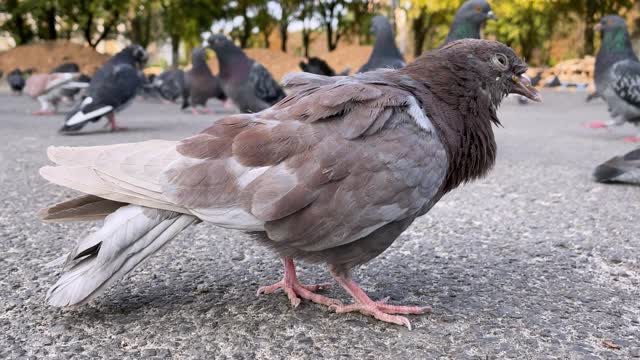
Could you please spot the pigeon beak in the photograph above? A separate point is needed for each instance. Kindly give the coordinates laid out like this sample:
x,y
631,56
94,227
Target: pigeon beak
x,y
523,87
491,15
597,27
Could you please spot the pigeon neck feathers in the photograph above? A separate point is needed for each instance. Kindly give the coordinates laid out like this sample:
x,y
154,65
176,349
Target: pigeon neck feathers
x,y
234,63
463,29
461,110
385,45
199,62
616,40
616,46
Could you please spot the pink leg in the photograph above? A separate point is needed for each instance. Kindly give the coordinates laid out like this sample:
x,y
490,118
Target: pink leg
x,y
295,290
597,125
43,112
632,139
378,309
112,121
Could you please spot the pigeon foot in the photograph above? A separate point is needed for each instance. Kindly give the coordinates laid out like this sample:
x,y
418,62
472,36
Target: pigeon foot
x,y
632,139
43,112
378,309
295,290
597,125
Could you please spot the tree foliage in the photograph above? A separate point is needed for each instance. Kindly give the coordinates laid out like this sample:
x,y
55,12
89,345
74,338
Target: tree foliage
x,y
527,25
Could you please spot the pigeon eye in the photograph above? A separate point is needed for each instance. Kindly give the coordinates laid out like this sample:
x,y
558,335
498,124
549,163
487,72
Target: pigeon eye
x,y
478,9
501,61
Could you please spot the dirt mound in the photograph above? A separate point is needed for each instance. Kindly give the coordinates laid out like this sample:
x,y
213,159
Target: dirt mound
x,y
44,56
277,62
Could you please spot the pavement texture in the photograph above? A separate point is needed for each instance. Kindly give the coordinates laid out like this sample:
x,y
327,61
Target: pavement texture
x,y
536,261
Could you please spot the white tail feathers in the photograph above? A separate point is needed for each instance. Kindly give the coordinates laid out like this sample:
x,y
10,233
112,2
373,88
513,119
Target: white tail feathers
x,y
128,236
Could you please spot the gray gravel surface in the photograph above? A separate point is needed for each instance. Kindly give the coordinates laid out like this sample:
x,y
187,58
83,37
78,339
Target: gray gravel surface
x,y
535,261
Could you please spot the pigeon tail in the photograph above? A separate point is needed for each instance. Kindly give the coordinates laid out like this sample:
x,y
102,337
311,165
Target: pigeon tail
x,y
129,235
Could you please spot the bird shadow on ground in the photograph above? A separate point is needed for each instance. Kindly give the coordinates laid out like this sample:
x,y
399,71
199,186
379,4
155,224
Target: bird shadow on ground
x,y
108,131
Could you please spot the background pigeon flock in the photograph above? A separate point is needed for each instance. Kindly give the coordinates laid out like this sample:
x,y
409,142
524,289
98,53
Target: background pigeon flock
x,y
321,167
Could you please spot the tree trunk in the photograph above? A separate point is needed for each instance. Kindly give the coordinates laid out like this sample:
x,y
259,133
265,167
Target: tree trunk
x,y
52,33
175,51
266,38
589,22
284,36
306,40
419,33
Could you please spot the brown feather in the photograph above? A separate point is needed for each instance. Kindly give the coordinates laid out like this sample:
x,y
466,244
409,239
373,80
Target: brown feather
x,y
82,208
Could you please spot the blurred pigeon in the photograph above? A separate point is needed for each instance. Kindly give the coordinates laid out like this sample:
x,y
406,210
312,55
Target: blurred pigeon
x,y
623,169
147,89
49,89
315,65
111,89
332,174
246,82
170,85
385,54
69,93
617,74
469,19
16,80
201,84
68,67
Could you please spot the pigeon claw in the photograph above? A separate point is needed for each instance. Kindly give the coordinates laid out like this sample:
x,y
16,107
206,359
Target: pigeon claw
x,y
295,290
632,139
597,125
383,312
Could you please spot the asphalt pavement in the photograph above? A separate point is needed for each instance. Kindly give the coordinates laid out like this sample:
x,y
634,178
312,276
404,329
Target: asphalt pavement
x,y
536,261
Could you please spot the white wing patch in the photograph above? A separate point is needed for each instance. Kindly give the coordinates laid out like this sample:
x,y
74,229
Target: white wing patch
x,y
418,115
80,117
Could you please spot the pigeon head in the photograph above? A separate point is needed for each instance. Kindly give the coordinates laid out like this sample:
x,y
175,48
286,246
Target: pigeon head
x,y
469,19
220,43
133,54
199,59
611,23
483,69
498,70
476,12
380,25
615,36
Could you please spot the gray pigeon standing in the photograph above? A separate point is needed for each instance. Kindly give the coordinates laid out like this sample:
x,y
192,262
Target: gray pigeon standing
x,y
617,75
170,84
246,82
469,19
332,174
622,169
385,54
200,84
112,88
16,81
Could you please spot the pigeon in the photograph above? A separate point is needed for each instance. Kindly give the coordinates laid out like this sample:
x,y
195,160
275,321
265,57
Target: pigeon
x,y
49,89
170,85
16,80
469,19
201,84
68,67
111,89
315,65
622,169
246,82
385,54
617,75
332,174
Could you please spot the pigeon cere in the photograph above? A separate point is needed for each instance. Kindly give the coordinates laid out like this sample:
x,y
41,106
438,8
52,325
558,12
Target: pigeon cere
x,y
326,179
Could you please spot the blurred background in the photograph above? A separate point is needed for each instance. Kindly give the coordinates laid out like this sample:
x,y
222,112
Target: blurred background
x,y
41,34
